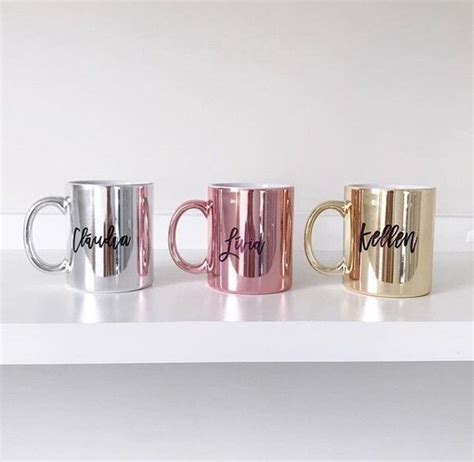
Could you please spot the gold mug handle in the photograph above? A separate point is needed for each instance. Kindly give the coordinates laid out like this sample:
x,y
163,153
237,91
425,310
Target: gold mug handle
x,y
342,208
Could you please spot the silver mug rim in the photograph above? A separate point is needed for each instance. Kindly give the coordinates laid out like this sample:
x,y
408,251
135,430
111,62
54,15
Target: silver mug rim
x,y
109,183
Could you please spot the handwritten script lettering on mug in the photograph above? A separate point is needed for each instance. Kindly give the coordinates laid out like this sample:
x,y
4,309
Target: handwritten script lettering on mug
x,y
391,236
85,239
236,244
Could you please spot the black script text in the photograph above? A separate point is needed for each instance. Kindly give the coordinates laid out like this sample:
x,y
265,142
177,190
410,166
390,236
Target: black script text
x,y
236,245
391,236
85,239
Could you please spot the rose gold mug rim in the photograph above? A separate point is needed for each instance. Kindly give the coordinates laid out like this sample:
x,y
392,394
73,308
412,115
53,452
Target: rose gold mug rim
x,y
247,186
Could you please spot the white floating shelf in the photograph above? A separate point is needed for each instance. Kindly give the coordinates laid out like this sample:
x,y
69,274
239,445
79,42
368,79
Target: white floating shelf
x,y
181,320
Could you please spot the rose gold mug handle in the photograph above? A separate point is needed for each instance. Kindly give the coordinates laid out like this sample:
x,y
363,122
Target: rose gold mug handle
x,y
204,208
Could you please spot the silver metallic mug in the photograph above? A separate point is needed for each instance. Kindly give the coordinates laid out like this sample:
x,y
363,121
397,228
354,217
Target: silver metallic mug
x,y
109,233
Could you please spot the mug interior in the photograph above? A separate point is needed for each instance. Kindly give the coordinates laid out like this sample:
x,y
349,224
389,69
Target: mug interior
x,y
397,187
109,183
249,186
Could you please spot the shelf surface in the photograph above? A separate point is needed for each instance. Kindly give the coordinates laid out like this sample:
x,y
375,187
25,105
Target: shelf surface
x,y
180,319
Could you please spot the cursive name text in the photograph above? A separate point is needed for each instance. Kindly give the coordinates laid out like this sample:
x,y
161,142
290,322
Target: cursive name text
x,y
85,239
391,236
236,245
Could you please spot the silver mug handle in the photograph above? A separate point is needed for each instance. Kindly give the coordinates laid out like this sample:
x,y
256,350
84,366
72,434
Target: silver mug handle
x,y
60,203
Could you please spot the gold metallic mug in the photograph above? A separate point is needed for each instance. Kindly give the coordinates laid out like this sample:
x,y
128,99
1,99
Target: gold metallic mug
x,y
388,239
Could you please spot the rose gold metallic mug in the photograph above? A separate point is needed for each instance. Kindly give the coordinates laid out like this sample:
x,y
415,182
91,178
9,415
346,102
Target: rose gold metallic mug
x,y
250,237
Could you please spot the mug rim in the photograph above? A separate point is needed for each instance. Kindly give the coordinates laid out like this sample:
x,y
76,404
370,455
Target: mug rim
x,y
247,186
108,183
390,187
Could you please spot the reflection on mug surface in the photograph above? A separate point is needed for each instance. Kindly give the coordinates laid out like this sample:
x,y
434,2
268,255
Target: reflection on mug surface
x,y
109,238
250,237
388,239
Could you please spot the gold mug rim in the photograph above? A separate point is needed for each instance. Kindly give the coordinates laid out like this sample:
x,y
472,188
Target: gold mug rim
x,y
390,187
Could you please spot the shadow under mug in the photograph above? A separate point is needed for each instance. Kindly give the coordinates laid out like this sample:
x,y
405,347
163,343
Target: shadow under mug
x,y
388,239
250,228
109,235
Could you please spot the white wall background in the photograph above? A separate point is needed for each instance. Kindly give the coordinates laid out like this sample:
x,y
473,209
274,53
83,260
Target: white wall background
x,y
317,94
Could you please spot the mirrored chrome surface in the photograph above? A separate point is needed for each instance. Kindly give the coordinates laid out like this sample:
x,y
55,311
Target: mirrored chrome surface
x,y
109,236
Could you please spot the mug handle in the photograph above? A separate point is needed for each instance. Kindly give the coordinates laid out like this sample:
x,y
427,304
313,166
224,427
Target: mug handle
x,y
342,208
60,203
204,207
